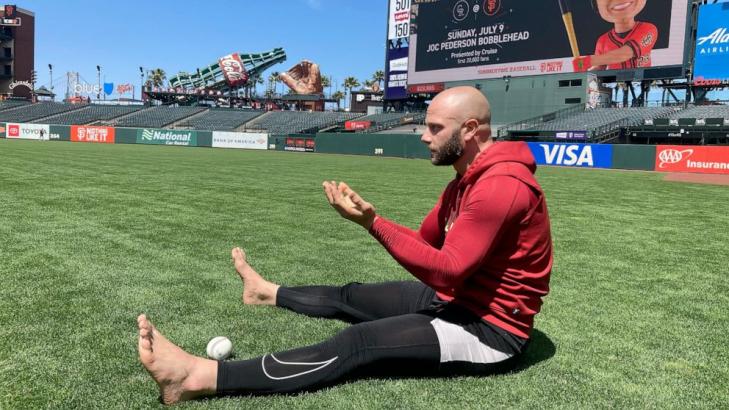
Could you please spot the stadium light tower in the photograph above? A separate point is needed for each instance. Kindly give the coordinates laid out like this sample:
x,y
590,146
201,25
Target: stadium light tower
x,y
50,69
141,83
98,82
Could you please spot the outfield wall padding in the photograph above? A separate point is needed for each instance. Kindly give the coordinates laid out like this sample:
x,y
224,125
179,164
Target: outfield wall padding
x,y
278,142
641,157
126,135
204,138
388,145
59,133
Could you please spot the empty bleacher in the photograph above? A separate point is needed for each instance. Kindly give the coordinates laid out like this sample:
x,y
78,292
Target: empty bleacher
x,y
599,123
384,117
386,121
220,119
92,113
285,122
599,117
31,112
156,117
9,104
702,112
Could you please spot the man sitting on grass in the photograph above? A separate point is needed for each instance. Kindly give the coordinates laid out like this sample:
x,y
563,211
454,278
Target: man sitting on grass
x,y
482,257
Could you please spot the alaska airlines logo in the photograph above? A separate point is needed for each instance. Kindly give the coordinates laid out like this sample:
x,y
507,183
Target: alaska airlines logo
x,y
672,156
570,155
719,36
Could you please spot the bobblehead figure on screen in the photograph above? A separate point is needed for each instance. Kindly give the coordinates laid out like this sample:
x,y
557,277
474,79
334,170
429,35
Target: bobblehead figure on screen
x,y
627,45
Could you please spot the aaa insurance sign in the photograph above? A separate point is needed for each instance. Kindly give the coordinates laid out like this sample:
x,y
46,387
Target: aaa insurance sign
x,y
26,131
682,158
573,155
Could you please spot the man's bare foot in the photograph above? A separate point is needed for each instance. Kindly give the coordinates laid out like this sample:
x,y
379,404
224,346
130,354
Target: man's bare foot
x,y
179,375
256,290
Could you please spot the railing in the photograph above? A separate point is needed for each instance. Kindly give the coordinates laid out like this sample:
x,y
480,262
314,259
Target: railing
x,y
606,131
535,121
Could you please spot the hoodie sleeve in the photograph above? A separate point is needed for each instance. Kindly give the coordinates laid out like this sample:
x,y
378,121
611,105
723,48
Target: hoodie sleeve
x,y
495,204
429,231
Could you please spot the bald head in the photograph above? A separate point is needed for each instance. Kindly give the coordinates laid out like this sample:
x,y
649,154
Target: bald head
x,y
458,127
461,104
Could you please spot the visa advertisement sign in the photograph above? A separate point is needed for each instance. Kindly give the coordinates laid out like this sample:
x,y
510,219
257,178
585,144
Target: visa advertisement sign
x,y
572,155
712,43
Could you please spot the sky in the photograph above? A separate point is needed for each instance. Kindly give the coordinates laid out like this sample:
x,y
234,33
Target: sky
x,y
345,37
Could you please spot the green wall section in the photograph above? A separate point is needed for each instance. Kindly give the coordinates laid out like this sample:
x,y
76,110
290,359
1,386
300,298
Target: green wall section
x,y
59,132
125,135
641,157
204,138
387,145
278,141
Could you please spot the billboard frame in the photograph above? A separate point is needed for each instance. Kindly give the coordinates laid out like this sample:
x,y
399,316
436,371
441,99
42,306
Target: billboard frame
x,y
665,72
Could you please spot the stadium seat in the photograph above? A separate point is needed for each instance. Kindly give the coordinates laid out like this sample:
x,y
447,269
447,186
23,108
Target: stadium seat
x,y
92,113
157,117
221,119
31,112
288,122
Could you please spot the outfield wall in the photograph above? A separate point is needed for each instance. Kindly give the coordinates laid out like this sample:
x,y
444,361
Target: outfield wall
x,y
662,158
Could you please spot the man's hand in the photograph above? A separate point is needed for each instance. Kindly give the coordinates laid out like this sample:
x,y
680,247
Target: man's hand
x,y
303,78
349,204
582,64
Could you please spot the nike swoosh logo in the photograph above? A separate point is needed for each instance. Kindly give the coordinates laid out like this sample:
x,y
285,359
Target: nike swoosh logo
x,y
295,366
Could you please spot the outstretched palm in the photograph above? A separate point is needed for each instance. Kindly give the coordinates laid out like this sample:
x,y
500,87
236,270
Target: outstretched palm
x,y
349,204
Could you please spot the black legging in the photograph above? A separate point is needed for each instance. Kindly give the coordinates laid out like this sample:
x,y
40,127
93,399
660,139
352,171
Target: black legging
x,y
393,336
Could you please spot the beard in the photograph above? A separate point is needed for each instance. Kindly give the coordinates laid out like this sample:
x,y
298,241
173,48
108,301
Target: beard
x,y
449,153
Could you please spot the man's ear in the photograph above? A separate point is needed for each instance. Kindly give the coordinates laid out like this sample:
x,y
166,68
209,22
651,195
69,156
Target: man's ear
x,y
471,126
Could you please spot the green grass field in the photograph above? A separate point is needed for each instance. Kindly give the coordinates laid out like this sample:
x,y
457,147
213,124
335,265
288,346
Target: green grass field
x,y
93,235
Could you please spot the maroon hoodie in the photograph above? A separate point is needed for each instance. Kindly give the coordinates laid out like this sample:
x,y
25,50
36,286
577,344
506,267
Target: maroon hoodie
x,y
486,245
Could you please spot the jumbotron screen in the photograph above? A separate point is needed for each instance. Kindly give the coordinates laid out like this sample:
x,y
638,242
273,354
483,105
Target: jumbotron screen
x,y
480,39
711,61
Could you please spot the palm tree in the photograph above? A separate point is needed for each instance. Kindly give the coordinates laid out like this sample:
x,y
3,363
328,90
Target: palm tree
x,y
255,81
157,77
326,82
368,84
349,83
338,95
378,77
272,82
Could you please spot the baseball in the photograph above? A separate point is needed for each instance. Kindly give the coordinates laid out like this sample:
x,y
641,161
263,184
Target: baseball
x,y
219,348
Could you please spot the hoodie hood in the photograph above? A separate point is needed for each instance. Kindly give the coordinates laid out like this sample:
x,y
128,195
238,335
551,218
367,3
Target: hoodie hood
x,y
497,153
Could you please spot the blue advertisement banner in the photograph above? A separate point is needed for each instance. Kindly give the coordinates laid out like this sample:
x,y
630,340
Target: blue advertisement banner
x,y
712,43
572,155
